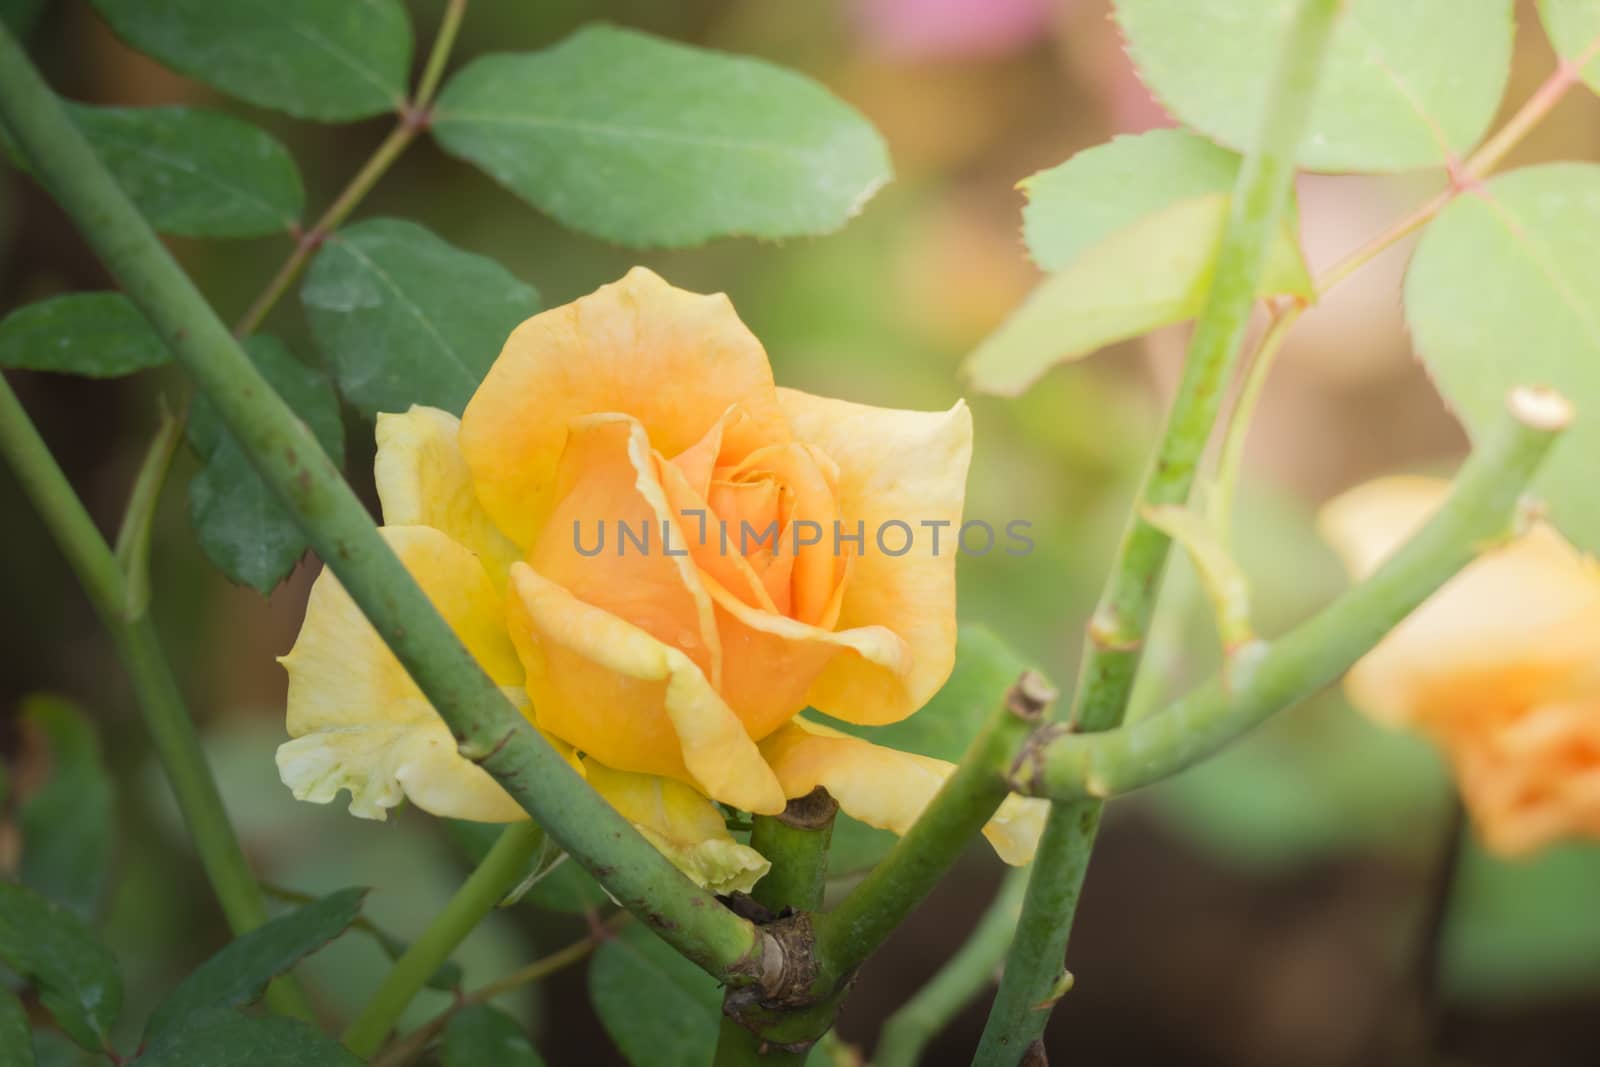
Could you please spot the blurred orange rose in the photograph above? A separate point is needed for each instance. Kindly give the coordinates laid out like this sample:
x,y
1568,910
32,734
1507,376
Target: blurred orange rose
x,y
1501,667
663,558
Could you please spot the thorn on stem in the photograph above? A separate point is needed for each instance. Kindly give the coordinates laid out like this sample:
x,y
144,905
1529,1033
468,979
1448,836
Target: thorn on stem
x,y
1540,408
1063,985
1030,695
1106,634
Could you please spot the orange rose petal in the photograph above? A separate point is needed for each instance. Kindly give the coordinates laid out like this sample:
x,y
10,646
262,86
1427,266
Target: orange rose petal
x,y
609,688
700,460
607,492
774,663
752,517
674,360
1518,627
1501,667
812,480
894,466
719,560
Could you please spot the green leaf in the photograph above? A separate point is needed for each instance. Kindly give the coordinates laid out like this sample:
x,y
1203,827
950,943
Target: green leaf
x,y
229,1039
985,668
77,979
1500,293
196,173
403,317
660,1009
16,1042
67,821
98,335
654,144
311,58
1101,190
479,1035
1524,929
238,974
1405,85
1132,230
1574,30
54,1049
239,521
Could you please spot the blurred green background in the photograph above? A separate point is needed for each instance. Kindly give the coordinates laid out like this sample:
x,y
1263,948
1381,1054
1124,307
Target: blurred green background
x,y
1262,909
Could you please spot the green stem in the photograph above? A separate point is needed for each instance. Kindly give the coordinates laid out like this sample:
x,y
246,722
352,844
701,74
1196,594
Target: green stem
x,y
1230,462
497,875
413,120
1122,618
133,536
488,728
383,157
1481,510
796,842
1489,155
908,1032
443,42
410,1047
63,513
155,690
850,933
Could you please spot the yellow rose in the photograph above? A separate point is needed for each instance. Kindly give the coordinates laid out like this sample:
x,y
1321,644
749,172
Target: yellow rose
x,y
672,660
1501,667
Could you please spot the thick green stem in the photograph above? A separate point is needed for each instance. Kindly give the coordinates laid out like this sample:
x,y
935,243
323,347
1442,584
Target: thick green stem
x,y
1122,618
796,842
58,505
488,728
497,875
850,933
1266,677
1478,166
154,688
908,1031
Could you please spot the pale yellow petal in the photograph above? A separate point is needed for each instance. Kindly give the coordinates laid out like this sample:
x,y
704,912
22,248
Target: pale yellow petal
x,y
422,480
357,719
684,825
611,689
406,753
674,360
887,788
894,467
1519,626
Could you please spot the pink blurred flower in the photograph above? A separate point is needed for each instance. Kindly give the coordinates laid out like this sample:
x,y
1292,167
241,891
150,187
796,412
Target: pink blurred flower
x,y
951,29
